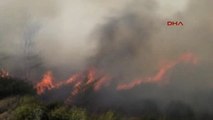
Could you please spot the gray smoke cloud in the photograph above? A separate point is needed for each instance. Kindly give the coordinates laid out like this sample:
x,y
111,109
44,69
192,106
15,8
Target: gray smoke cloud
x,y
125,43
132,43
57,32
20,24
125,39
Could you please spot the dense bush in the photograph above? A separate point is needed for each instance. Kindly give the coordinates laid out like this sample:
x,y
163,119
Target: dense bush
x,y
29,112
65,113
29,109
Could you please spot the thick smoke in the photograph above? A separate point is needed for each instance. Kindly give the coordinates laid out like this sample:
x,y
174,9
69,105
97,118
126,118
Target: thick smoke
x,y
133,43
56,32
20,24
126,40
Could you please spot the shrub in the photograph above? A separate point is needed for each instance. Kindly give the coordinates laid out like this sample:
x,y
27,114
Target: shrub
x,y
109,116
64,113
29,109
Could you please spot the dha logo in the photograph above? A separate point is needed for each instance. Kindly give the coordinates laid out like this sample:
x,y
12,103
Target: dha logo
x,y
174,23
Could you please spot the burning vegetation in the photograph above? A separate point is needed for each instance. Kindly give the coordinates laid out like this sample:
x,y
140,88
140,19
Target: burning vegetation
x,y
162,73
135,67
98,80
85,88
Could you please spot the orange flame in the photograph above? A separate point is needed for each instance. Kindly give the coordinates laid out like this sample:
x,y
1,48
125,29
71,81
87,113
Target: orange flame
x,y
103,81
91,75
162,72
77,88
92,79
46,83
98,79
78,80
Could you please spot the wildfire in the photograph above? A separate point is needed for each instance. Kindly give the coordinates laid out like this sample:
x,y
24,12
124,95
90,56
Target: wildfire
x,y
78,81
97,79
103,81
162,72
46,83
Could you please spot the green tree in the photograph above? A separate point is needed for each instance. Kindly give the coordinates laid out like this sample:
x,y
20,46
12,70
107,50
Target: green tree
x,y
29,109
78,114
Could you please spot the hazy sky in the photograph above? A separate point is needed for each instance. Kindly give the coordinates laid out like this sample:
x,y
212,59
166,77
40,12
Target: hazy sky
x,y
168,7
78,19
66,26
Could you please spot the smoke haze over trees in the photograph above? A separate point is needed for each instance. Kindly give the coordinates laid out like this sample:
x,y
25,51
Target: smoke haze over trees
x,y
127,40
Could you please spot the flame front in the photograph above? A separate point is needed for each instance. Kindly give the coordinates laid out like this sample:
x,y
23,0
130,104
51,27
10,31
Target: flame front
x,y
98,79
46,83
78,81
162,72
